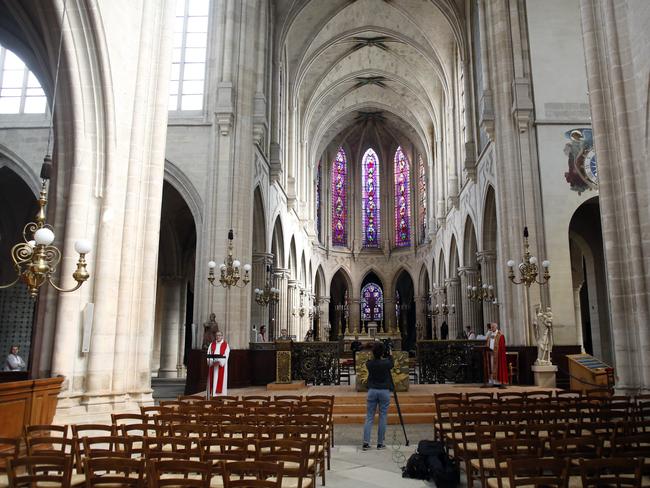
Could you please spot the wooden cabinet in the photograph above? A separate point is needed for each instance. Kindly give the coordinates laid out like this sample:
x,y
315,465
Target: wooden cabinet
x,y
27,402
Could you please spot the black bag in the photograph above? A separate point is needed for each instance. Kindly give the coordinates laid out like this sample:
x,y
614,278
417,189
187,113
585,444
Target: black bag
x,y
416,468
432,462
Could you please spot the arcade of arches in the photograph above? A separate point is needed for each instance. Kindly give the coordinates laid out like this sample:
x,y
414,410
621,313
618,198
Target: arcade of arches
x,y
375,159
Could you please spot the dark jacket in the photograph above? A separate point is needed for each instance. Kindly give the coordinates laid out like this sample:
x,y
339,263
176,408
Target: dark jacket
x,y
379,373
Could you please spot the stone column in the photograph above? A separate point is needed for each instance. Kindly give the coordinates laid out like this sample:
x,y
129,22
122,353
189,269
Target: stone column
x,y
292,303
578,315
487,260
171,325
324,319
259,314
390,319
471,308
455,320
354,316
280,312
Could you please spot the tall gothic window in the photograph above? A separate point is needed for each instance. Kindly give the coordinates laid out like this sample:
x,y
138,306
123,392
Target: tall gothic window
x,y
318,200
422,184
370,199
339,199
187,82
402,200
372,302
20,91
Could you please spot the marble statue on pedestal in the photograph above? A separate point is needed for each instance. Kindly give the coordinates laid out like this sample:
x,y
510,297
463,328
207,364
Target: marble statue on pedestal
x,y
210,329
543,328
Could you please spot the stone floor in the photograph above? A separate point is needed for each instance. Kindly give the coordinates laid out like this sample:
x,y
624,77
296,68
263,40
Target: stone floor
x,y
354,468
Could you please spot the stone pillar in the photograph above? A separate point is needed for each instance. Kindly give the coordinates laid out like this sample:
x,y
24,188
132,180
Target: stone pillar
x,y
292,303
454,296
259,314
280,312
471,308
578,316
324,318
354,316
171,325
487,260
390,318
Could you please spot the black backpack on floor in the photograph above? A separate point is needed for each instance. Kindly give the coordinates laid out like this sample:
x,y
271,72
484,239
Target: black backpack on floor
x,y
432,462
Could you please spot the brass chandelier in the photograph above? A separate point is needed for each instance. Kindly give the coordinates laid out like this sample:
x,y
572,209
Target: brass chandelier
x,y
268,294
528,270
482,292
230,269
36,259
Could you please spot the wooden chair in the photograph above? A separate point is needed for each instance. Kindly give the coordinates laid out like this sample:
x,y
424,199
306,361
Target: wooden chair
x,y
287,398
511,448
118,419
111,471
512,360
252,474
88,430
538,472
152,411
217,449
619,472
632,446
45,430
179,473
31,471
329,401
446,405
293,455
483,465
170,448
9,449
49,446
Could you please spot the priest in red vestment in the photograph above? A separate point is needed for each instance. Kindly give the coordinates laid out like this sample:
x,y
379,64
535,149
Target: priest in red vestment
x,y
496,350
218,368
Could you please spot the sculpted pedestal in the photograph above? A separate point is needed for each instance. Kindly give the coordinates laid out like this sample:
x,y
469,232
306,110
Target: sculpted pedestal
x,y
544,375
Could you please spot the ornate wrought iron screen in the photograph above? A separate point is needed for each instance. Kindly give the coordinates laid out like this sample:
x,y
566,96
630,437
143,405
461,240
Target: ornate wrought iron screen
x,y
450,361
315,362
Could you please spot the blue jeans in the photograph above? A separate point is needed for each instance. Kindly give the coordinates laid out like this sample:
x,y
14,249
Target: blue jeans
x,y
381,399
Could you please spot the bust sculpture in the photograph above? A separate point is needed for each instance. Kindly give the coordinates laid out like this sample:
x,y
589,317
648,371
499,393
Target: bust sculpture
x,y
543,328
210,329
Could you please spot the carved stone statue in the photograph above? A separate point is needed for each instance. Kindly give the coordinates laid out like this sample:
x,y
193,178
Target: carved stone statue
x,y
210,329
543,328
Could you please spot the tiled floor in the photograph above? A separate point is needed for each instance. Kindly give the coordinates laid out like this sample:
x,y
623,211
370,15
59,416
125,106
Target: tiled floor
x,y
354,468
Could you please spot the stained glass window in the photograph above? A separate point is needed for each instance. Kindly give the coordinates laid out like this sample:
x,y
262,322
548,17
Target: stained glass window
x,y
402,200
372,302
422,183
318,200
370,199
339,199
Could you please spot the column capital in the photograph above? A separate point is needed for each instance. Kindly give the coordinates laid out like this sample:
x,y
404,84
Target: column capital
x,y
452,282
262,257
467,270
485,257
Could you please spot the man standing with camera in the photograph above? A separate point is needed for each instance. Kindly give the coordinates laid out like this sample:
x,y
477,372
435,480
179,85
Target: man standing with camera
x,y
379,386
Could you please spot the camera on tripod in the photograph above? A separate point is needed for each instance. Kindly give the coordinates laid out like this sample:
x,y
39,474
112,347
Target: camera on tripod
x,y
388,347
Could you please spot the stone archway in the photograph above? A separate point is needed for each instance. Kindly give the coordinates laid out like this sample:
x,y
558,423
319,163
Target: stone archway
x,y
454,293
470,275
487,257
405,312
278,320
424,330
590,281
339,306
175,290
262,263
17,208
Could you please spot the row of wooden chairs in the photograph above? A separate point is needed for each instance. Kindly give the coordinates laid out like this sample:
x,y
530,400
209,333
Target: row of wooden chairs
x,y
33,471
299,450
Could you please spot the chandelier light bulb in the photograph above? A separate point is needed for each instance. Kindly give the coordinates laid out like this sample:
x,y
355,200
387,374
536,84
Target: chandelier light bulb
x,y
212,264
222,267
247,268
485,286
533,260
236,264
510,263
490,287
469,287
546,263
83,246
44,236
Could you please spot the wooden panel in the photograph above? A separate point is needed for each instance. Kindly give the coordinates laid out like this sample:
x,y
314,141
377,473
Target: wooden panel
x,y
27,402
239,370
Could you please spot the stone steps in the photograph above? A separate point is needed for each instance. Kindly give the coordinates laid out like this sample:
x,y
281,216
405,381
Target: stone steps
x,y
416,409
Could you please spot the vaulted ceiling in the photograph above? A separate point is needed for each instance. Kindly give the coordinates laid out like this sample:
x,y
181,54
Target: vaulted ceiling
x,y
342,57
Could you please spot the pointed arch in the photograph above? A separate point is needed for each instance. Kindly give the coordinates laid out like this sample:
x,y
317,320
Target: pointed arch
x,y
489,227
293,259
442,268
454,261
259,222
277,245
470,246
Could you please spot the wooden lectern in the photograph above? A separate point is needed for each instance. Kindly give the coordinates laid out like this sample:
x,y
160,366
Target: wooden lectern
x,y
589,373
